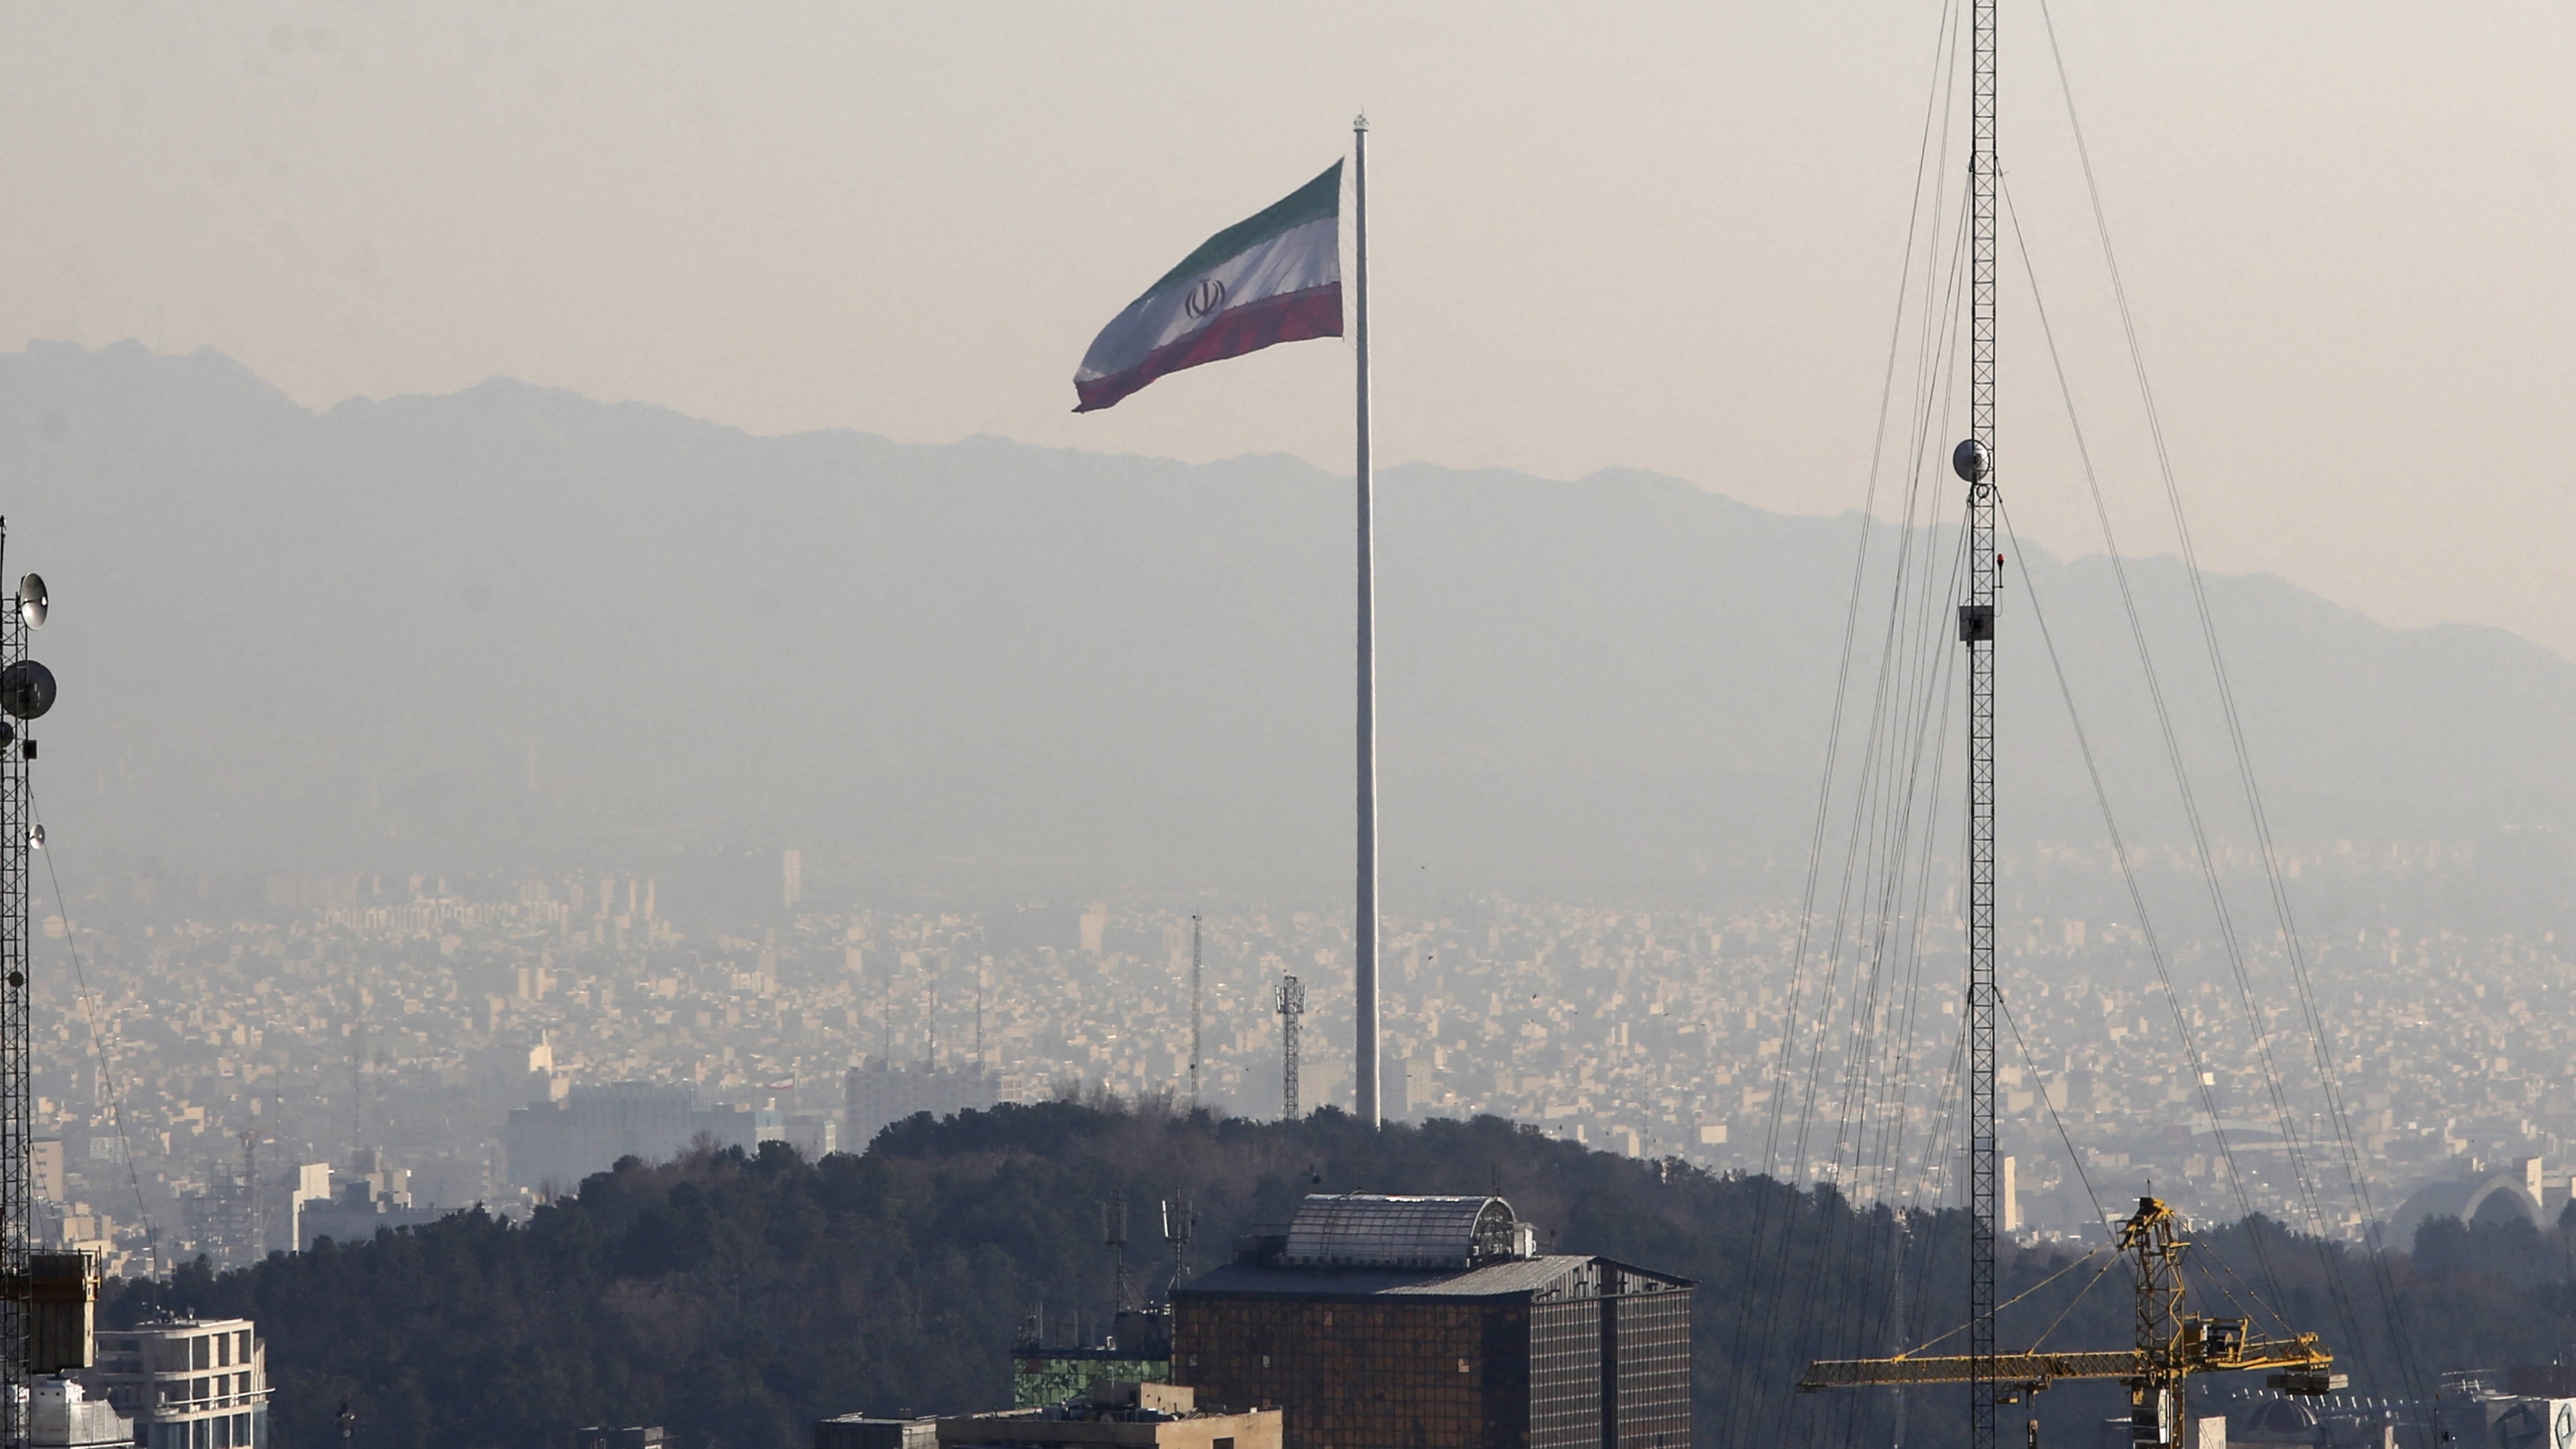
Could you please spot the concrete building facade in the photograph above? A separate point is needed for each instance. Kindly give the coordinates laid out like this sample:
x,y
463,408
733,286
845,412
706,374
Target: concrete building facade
x,y
187,1383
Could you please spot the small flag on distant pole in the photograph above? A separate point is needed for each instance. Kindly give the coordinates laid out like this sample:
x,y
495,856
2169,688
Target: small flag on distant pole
x,y
1274,277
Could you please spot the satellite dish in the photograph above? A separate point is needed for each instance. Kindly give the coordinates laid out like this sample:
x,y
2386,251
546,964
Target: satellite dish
x,y
31,600
36,836
1972,461
26,689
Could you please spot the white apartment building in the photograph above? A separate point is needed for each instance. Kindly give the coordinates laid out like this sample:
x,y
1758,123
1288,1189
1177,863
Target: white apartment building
x,y
187,1383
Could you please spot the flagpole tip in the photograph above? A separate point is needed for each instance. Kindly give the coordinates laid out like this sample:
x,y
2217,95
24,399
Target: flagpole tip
x,y
1360,121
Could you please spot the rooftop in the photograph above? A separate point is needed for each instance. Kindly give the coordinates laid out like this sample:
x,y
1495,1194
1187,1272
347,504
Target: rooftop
x,y
1553,1276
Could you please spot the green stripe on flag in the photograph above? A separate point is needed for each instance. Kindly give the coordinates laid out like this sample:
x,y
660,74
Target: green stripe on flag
x,y
1316,199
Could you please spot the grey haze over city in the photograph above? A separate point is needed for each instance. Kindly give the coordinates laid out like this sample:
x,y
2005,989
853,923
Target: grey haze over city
x,y
1694,684
428,757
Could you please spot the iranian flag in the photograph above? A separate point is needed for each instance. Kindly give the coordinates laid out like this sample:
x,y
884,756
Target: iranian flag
x,y
1274,277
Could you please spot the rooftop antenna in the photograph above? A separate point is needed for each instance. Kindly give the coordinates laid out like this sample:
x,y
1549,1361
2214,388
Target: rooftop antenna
x,y
1292,1005
1113,1236
1197,976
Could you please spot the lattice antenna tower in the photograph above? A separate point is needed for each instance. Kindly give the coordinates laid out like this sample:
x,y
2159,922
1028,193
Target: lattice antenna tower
x,y
257,1242
1292,1005
1974,461
1113,1236
1180,1224
1197,980
26,691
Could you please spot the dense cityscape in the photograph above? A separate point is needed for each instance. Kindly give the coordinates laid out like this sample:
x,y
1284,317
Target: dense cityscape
x,y
385,1030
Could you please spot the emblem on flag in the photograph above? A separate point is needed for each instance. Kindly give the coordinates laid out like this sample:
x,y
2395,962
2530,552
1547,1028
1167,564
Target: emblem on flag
x,y
1273,277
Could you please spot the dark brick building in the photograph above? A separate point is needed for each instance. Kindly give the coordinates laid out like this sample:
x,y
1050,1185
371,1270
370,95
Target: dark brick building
x,y
1401,1321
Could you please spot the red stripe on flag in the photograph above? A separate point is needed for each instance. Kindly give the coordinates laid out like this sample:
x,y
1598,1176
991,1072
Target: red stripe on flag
x,y
1291,317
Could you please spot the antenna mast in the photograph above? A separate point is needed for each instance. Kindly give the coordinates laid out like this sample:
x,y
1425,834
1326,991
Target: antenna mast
x,y
1196,978
255,1246
17,1097
1113,1236
26,691
1180,1224
1292,1005
1974,462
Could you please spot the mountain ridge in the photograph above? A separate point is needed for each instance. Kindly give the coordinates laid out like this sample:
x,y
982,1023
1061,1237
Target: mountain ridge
x,y
513,625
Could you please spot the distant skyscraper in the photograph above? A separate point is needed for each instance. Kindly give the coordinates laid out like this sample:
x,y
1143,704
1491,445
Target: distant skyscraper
x,y
793,868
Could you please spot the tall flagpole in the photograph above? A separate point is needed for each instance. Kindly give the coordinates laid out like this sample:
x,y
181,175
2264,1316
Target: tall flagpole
x,y
1364,928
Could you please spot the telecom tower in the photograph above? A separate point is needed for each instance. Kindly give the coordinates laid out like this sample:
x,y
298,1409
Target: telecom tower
x,y
1974,462
2170,1344
1292,1005
1180,1224
36,1335
1197,977
1113,1236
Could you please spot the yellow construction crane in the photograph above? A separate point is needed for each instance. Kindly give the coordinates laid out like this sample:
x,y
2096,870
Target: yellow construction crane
x,y
2172,1345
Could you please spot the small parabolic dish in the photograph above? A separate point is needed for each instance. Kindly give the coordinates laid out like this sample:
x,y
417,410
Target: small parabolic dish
x,y
26,689
32,602
1971,461
36,836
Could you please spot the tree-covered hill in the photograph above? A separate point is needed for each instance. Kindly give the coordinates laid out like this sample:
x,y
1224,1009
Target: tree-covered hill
x,y
737,1299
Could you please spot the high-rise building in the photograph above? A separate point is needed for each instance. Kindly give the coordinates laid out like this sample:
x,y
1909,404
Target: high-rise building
x,y
1434,1321
187,1383
879,1094
792,868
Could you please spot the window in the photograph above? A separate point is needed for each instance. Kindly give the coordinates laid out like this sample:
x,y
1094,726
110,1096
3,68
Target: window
x,y
223,1350
242,1348
1225,1443
201,1353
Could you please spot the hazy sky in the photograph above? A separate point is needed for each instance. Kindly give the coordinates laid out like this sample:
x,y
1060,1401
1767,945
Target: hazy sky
x,y
1665,236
